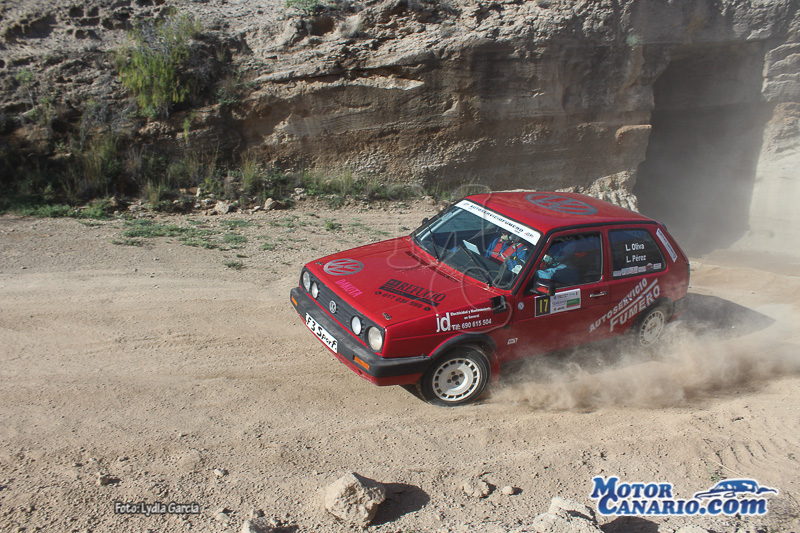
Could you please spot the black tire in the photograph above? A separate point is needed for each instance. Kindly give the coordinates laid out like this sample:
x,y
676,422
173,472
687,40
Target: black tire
x,y
457,378
649,327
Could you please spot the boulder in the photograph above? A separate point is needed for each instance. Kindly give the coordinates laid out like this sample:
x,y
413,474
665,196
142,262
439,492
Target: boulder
x,y
354,499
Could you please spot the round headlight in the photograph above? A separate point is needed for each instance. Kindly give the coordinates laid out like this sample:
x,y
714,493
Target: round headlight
x,y
306,280
355,325
375,338
314,290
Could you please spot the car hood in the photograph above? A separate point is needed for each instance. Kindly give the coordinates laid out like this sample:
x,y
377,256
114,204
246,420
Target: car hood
x,y
392,282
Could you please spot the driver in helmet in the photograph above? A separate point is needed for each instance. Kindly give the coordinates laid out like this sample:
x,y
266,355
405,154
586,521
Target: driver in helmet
x,y
508,249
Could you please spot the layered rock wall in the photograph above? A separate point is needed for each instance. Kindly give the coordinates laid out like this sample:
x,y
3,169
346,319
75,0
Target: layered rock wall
x,y
509,93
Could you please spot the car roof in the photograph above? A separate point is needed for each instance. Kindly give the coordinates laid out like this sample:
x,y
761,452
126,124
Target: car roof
x,y
546,211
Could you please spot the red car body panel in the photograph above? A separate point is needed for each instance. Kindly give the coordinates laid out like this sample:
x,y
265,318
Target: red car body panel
x,y
424,306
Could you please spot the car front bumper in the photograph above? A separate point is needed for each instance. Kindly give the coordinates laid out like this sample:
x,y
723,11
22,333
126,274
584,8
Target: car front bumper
x,y
356,356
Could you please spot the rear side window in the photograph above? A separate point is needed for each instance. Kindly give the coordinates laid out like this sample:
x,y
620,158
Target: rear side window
x,y
633,252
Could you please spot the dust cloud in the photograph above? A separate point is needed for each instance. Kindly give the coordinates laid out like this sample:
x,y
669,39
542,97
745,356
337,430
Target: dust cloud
x,y
691,365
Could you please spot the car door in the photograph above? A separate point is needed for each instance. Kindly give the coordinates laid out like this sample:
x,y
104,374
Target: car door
x,y
636,266
572,264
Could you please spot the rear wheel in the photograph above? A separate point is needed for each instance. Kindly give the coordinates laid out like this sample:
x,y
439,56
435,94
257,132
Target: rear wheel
x,y
650,327
457,378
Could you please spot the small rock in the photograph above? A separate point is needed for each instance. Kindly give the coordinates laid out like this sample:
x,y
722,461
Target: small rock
x,y
105,479
222,207
256,525
354,499
271,205
222,515
565,515
219,472
508,490
256,513
476,488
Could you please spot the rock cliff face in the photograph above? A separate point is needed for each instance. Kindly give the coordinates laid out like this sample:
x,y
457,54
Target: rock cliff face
x,y
690,106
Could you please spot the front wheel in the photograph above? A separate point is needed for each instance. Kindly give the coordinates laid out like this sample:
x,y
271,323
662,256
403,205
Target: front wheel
x,y
457,378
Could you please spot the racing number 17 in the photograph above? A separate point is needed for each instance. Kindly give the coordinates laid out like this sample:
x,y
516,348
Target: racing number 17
x,y
542,305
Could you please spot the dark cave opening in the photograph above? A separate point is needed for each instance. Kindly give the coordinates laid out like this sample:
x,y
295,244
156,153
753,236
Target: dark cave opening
x,y
707,130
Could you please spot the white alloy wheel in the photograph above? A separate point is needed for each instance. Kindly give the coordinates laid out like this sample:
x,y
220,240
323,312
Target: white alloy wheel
x,y
652,327
456,378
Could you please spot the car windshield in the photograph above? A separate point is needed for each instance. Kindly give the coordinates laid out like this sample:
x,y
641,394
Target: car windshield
x,y
479,243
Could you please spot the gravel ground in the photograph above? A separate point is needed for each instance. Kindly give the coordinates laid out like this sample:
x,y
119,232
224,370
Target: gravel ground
x,y
183,374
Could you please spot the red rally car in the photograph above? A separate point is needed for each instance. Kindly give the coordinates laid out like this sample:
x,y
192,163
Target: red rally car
x,y
494,277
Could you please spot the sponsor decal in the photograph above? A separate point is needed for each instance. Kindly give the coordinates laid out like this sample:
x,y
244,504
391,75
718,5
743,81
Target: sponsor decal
x,y
640,269
559,302
332,307
729,497
520,230
667,245
459,320
561,204
411,294
349,288
343,267
637,300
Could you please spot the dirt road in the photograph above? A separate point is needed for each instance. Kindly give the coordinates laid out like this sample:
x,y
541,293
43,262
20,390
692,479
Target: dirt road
x,y
158,364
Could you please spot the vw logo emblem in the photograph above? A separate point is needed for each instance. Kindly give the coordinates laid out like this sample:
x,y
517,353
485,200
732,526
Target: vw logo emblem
x,y
343,267
332,307
561,204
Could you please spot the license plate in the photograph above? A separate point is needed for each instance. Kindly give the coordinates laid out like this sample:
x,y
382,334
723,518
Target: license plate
x,y
322,333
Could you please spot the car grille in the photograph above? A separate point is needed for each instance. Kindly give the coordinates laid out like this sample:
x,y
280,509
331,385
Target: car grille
x,y
328,299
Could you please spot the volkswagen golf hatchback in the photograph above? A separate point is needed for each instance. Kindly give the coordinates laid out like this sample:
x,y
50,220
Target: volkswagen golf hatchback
x,y
493,278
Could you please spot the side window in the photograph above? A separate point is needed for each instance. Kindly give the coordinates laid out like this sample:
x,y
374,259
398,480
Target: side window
x,y
634,251
572,260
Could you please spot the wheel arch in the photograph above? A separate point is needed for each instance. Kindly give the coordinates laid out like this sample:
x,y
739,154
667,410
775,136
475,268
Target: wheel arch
x,y
662,301
482,341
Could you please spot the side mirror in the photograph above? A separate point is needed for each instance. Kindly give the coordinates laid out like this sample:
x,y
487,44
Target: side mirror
x,y
425,221
543,286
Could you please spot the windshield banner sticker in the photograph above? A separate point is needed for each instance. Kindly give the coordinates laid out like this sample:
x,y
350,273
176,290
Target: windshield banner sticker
x,y
667,245
729,497
530,235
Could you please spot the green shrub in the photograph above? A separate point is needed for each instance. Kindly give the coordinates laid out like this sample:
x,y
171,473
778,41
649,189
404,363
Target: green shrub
x,y
235,265
306,6
253,181
233,239
151,67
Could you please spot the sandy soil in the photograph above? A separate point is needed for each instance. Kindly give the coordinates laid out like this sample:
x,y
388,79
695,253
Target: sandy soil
x,y
158,364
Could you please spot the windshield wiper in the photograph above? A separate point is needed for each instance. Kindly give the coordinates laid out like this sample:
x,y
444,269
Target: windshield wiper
x,y
486,274
433,242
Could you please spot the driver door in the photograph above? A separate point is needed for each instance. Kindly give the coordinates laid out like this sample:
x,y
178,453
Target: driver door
x,y
579,296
